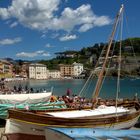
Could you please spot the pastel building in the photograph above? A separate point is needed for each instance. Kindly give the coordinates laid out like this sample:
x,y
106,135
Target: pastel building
x,y
6,68
71,70
66,70
38,71
55,74
77,68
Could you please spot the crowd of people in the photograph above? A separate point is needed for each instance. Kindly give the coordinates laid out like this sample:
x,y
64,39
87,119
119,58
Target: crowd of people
x,y
16,89
72,100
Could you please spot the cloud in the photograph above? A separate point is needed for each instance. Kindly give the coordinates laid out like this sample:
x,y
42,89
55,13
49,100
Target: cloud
x,y
85,27
45,15
4,13
67,37
46,54
14,24
43,36
55,35
48,45
8,41
33,54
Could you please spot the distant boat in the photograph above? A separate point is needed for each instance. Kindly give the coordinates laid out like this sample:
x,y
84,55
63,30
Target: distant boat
x,y
115,117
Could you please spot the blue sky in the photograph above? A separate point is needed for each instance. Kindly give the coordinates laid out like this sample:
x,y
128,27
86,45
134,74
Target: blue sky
x,y
36,29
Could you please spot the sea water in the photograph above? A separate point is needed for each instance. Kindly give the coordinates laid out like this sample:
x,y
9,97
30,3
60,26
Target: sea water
x,y
128,87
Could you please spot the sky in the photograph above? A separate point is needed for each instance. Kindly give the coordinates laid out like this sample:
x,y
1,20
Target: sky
x,y
37,29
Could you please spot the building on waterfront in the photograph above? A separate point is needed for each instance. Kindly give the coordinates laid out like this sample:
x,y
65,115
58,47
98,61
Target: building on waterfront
x,y
78,68
71,70
38,71
66,70
54,74
6,69
24,70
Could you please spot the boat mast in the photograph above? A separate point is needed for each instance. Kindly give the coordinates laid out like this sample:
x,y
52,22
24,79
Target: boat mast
x,y
100,77
119,61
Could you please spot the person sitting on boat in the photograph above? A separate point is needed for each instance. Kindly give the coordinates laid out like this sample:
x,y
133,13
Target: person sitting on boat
x,y
53,98
65,99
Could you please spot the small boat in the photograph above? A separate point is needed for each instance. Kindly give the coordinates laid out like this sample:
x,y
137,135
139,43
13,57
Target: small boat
x,y
54,133
22,101
25,98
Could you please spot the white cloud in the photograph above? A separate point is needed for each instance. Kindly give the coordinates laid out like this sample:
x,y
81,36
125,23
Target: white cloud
x,y
33,54
41,15
14,24
46,54
8,41
101,21
39,52
4,13
67,37
55,35
85,27
43,36
48,45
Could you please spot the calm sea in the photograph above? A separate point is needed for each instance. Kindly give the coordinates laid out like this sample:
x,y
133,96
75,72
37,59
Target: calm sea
x,y
128,87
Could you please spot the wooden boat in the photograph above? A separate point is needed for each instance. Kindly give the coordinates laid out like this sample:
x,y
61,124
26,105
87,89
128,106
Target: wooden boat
x,y
101,117
30,125
115,117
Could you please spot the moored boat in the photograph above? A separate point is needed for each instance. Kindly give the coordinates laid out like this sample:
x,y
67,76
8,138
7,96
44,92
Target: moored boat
x,y
54,133
25,98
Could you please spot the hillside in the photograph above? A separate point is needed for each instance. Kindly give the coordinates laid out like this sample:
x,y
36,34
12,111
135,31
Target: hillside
x,y
89,55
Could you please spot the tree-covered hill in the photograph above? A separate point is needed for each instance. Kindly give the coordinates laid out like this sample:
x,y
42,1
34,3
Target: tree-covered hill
x,y
129,47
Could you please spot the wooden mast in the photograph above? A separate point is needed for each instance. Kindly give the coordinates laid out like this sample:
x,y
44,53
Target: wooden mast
x,y
100,77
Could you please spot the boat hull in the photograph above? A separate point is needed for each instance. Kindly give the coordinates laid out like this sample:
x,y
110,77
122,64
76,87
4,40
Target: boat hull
x,y
120,121
16,130
26,124
19,136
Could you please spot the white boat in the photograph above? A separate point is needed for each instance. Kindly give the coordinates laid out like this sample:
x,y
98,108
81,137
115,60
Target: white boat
x,y
25,98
